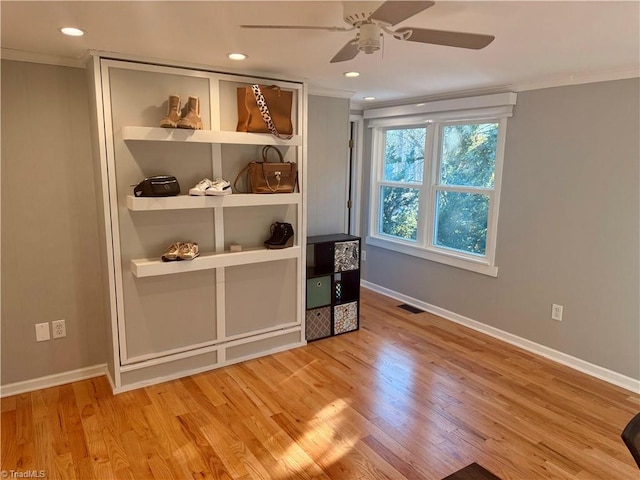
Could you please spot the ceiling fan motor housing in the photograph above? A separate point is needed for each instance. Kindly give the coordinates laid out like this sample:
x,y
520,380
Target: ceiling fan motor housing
x,y
358,12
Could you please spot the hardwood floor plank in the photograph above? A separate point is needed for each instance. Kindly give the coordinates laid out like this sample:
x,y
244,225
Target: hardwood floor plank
x,y
407,397
8,437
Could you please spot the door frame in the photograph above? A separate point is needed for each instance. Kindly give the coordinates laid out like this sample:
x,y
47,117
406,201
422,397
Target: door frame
x,y
356,127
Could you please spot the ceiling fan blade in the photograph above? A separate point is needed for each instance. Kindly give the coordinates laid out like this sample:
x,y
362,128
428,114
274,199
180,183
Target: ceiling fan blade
x,y
393,11
474,41
299,27
348,52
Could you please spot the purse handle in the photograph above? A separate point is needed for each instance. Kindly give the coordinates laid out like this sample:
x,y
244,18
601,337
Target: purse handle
x,y
265,152
264,111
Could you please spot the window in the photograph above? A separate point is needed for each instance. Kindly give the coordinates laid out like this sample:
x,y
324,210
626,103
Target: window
x,y
402,175
435,184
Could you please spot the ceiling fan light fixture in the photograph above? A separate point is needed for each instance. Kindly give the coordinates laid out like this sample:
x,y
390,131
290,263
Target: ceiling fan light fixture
x,y
237,56
369,99
351,74
369,38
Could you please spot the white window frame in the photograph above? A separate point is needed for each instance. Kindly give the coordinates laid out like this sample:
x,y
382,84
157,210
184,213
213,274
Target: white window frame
x,y
487,109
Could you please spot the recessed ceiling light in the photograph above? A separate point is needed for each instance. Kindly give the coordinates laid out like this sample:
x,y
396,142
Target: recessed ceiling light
x,y
72,31
420,104
237,56
351,74
368,99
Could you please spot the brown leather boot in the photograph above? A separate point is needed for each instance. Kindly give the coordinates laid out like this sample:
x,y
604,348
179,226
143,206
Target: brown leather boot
x,y
173,113
192,119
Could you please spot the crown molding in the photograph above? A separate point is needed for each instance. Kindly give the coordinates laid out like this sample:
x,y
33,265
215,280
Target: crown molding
x,y
44,58
329,92
562,80
578,79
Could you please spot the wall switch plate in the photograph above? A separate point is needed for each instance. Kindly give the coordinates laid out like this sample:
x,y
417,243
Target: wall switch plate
x,y
364,255
556,312
59,329
42,332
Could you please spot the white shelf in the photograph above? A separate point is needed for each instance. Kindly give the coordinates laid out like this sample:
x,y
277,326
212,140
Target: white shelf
x,y
157,134
151,267
184,202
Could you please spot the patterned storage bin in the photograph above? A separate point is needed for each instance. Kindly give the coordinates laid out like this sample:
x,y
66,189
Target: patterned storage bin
x,y
345,318
346,256
318,323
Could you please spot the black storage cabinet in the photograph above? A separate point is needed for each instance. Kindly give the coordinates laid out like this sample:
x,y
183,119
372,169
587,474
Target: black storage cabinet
x,y
333,285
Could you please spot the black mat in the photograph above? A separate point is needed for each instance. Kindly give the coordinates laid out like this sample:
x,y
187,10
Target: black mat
x,y
472,472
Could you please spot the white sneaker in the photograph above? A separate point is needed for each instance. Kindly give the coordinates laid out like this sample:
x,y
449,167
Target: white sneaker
x,y
201,187
219,187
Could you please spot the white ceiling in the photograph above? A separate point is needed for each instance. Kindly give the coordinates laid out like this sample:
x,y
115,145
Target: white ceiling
x,y
537,43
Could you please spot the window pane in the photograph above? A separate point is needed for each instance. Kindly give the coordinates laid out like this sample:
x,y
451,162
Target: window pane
x,y
399,212
461,221
404,155
469,155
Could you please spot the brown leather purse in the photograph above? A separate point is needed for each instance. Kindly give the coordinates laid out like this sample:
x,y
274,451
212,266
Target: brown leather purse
x,y
270,177
263,109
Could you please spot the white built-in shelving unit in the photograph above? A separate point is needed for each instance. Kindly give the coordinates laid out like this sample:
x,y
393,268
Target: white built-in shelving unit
x,y
170,319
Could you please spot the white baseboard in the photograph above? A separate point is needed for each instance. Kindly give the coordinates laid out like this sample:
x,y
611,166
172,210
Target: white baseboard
x,y
596,371
52,380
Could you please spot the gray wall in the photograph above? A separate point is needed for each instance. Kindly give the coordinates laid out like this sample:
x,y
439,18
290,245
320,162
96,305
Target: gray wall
x,y
327,165
568,230
51,265
50,244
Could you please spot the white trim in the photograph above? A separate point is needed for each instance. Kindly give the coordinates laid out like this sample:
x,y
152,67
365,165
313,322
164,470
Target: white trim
x,y
52,380
578,79
100,148
187,373
43,58
467,103
452,259
241,74
356,180
583,366
459,116
329,92
159,358
424,245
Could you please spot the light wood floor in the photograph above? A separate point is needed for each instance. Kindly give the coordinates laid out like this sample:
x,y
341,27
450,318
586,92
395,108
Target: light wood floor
x,y
407,397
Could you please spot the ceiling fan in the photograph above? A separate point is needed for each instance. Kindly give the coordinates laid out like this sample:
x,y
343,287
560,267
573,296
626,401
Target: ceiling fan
x,y
370,22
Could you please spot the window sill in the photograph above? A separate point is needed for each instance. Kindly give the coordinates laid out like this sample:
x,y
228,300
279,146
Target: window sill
x,y
458,261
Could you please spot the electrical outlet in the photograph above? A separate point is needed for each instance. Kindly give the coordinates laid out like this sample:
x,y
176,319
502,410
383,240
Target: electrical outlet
x,y
59,329
556,312
42,332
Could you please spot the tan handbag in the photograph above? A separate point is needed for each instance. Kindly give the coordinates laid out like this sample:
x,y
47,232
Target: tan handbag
x,y
265,110
270,177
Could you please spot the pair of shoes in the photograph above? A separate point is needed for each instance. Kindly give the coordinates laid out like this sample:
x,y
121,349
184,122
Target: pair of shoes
x,y
181,251
281,236
191,119
209,187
